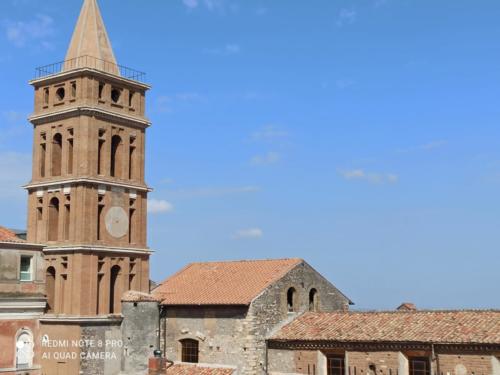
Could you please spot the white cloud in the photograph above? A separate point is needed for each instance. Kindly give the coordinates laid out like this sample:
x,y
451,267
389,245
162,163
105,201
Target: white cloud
x,y
346,16
266,159
211,5
429,146
373,178
228,49
21,33
165,103
156,206
269,133
250,233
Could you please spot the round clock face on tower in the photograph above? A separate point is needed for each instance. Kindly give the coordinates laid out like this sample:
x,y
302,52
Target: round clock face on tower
x,y
117,222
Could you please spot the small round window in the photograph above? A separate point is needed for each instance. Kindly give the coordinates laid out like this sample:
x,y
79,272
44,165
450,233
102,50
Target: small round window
x,y
115,95
60,93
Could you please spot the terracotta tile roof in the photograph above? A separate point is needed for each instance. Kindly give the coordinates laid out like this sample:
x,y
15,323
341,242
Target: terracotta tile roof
x,y
446,327
222,283
186,369
7,235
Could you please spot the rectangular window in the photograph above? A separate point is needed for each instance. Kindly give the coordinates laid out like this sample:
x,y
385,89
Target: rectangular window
x,y
420,366
336,365
26,273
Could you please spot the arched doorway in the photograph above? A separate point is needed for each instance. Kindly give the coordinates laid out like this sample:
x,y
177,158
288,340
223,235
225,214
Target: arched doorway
x,y
56,154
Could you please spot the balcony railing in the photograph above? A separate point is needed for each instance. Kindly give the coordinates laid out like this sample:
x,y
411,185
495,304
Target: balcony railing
x,y
92,63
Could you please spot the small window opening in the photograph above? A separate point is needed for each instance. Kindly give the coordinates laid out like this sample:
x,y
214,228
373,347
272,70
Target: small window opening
x,y
116,156
131,99
70,156
60,94
291,296
43,155
26,268
101,90
115,95
190,351
313,300
46,93
73,90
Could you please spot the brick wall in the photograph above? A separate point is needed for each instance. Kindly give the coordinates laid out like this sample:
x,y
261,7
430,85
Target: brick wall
x,y
465,364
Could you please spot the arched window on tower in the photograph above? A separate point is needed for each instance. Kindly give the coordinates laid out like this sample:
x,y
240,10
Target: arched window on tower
x,y
116,156
51,289
190,351
115,290
291,297
313,300
54,219
56,154
24,350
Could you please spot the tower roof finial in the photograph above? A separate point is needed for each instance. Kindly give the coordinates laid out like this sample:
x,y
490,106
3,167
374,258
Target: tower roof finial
x,y
90,46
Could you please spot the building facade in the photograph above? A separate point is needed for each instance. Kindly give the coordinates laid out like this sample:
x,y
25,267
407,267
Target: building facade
x,y
22,304
388,343
221,313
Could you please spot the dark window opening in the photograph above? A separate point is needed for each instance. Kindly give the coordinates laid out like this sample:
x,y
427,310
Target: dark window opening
x,y
116,156
313,300
335,365
131,226
291,297
73,90
43,155
60,94
190,351
131,99
114,292
100,220
115,95
67,221
420,366
101,90
70,156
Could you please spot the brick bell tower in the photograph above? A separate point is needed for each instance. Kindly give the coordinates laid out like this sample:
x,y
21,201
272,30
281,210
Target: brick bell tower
x,y
88,196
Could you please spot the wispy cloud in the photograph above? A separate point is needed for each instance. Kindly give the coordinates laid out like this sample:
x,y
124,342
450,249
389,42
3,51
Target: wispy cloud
x,y
343,84
156,206
266,159
210,5
269,133
166,103
249,233
371,177
40,30
228,49
346,16
213,191
429,146
380,3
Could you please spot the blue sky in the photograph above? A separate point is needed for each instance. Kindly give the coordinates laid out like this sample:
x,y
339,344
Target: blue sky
x,y
360,135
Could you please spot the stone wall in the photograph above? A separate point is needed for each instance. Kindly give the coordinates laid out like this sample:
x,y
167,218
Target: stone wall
x,y
220,332
140,329
269,311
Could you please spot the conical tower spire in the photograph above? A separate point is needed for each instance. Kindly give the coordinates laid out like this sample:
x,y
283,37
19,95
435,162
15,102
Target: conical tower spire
x,y
90,46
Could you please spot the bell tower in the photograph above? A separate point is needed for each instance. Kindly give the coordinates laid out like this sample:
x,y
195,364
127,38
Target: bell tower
x,y
88,196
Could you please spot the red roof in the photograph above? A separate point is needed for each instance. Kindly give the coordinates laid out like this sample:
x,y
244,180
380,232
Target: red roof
x,y
222,283
6,235
187,369
445,327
